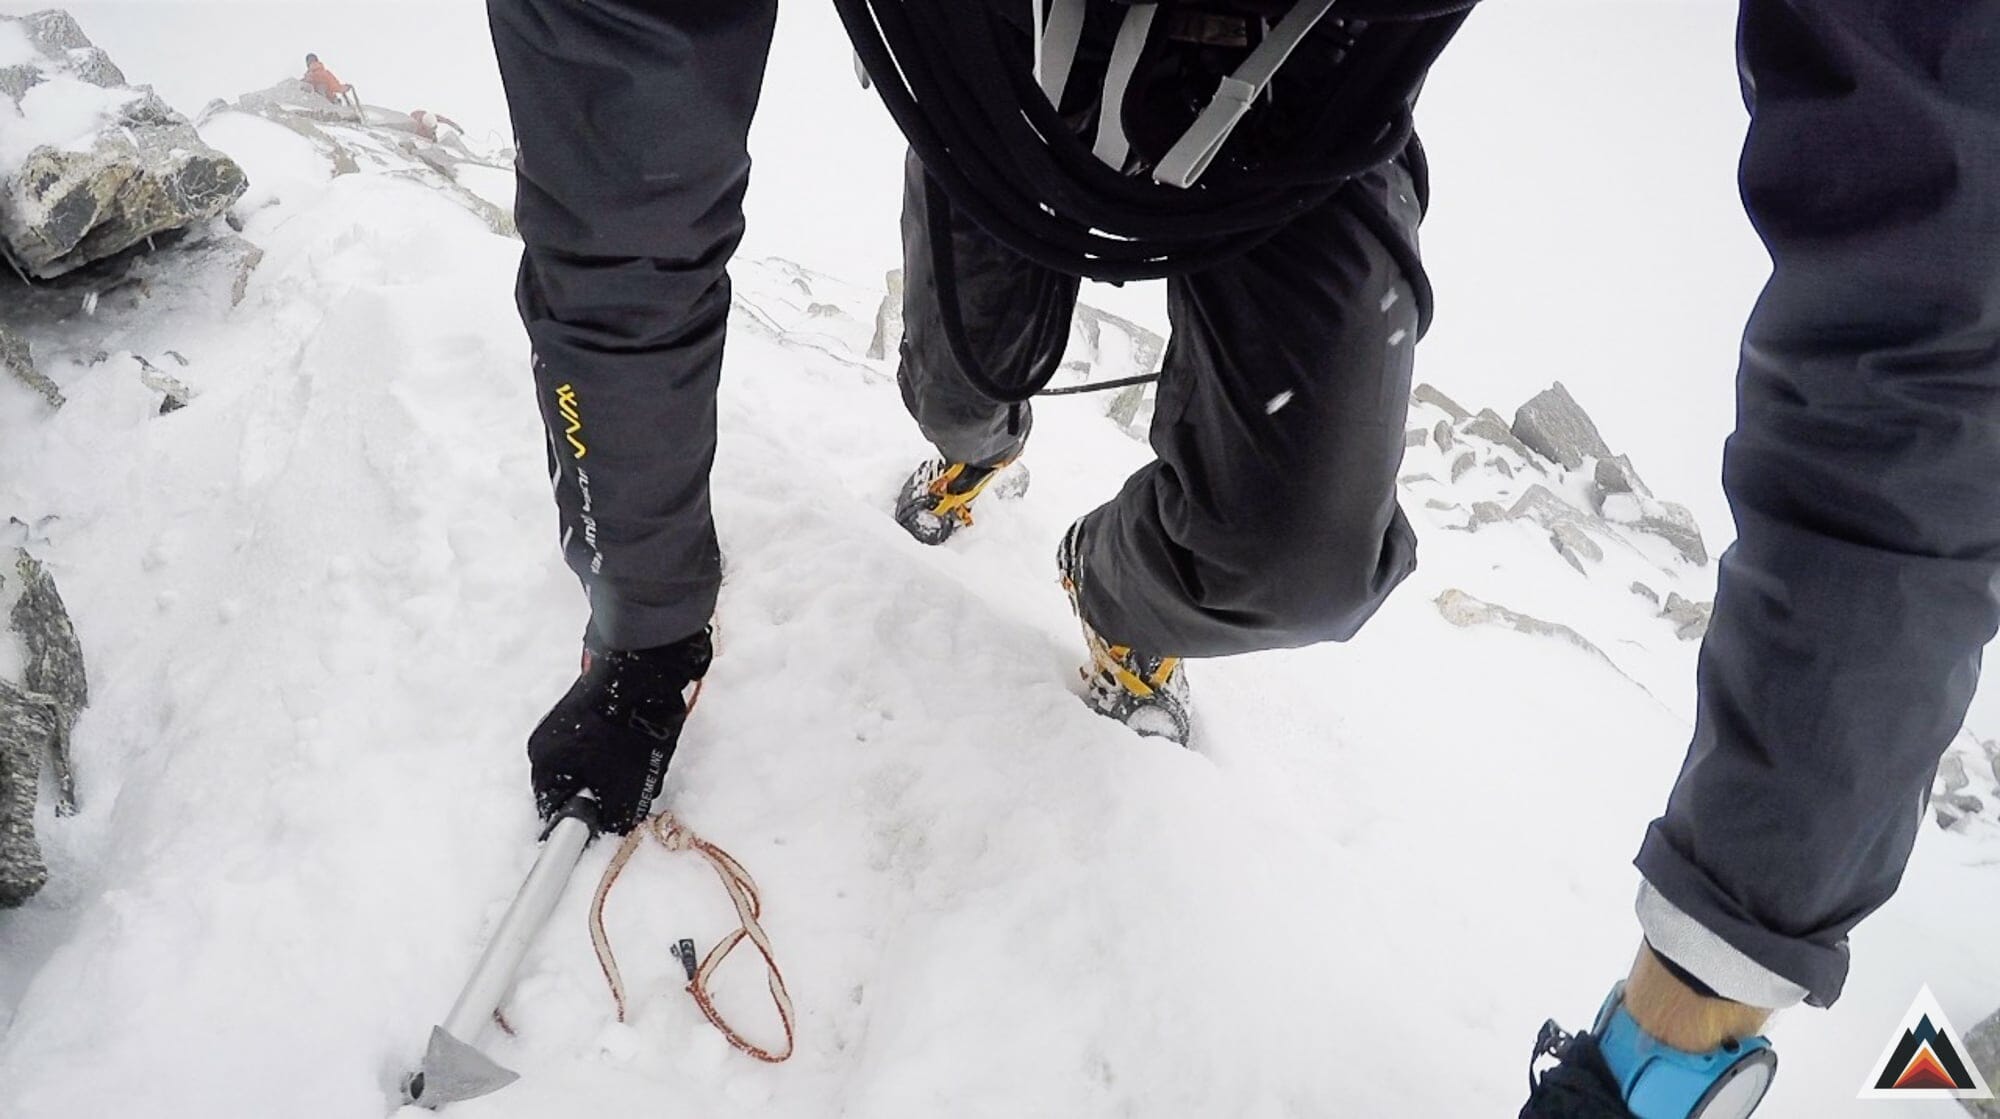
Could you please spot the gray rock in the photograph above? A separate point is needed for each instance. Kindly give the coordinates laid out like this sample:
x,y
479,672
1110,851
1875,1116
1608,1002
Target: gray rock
x,y
1488,513
53,31
16,81
1503,468
1413,479
1489,426
55,660
1646,592
1416,437
1615,475
1428,394
1543,507
145,173
1951,775
1442,436
1689,619
1558,428
27,725
1676,525
1441,506
1982,1048
1463,463
1575,545
18,361
92,65
888,317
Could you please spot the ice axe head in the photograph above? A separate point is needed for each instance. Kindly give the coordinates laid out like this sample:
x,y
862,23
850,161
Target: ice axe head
x,y
453,1071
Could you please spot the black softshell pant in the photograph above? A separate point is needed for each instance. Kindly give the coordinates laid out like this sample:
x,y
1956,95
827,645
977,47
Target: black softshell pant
x,y
1865,479
1269,518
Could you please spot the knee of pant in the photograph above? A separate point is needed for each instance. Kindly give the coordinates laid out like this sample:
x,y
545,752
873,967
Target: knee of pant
x,y
1315,586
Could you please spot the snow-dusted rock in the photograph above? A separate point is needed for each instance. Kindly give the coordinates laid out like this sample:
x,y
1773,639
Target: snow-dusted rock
x,y
1488,425
1615,475
1690,619
1557,427
26,726
54,668
17,360
89,167
1429,394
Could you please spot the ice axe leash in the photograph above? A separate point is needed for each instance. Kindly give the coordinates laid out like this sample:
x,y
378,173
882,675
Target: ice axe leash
x,y
452,1068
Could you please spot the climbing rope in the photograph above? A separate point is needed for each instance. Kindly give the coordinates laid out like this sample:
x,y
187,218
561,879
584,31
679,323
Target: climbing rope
x,y
675,836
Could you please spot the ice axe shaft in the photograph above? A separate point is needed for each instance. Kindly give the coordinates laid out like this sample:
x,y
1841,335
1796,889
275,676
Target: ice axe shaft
x,y
453,1069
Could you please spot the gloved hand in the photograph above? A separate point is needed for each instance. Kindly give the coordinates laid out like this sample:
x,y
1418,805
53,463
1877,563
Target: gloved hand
x,y
616,729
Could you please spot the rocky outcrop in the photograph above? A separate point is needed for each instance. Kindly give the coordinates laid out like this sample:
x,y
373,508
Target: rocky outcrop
x,y
888,317
36,715
26,726
1966,792
54,669
109,166
1558,428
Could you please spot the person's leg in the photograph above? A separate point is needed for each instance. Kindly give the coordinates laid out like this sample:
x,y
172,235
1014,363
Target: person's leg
x,y
1865,478
1270,517
631,119
1015,315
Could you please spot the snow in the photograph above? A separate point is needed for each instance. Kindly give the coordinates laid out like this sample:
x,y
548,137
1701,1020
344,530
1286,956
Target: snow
x,y
322,605
15,46
61,112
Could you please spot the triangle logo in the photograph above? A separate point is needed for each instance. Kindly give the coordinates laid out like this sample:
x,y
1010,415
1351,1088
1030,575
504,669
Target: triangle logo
x,y
1925,1060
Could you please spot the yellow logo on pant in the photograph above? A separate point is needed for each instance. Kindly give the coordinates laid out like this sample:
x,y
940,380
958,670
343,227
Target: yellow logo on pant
x,y
573,415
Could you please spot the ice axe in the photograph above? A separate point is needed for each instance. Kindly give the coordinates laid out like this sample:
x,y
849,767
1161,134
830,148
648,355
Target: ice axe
x,y
453,1069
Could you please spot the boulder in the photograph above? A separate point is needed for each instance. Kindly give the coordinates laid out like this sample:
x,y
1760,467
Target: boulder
x,y
135,170
1557,427
1428,394
1646,592
1676,525
1489,426
1575,545
1615,475
1464,462
1416,437
1442,436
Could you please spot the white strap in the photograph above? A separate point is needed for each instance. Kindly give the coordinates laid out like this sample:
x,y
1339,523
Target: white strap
x,y
1199,145
1056,41
1113,145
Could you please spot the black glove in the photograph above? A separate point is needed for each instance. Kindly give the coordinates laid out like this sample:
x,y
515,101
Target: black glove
x,y
616,729
1581,1087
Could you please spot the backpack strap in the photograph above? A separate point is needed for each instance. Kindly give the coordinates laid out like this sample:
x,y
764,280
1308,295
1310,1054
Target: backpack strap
x,y
1113,146
1056,41
1199,145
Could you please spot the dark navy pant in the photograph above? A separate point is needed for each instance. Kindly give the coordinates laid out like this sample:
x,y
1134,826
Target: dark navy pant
x,y
1865,478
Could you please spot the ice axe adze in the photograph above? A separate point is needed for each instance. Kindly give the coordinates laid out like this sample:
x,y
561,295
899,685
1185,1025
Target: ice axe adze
x,y
453,1069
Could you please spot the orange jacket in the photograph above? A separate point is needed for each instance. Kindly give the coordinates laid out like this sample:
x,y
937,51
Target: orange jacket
x,y
322,79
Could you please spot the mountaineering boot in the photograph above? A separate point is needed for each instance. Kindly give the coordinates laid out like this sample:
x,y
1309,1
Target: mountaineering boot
x,y
1145,692
1618,1071
937,499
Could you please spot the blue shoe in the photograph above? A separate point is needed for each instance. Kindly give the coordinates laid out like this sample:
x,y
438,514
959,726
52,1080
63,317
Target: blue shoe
x,y
1618,1071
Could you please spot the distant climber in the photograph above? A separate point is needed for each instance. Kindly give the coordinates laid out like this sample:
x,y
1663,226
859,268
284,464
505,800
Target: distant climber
x,y
427,124
323,81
